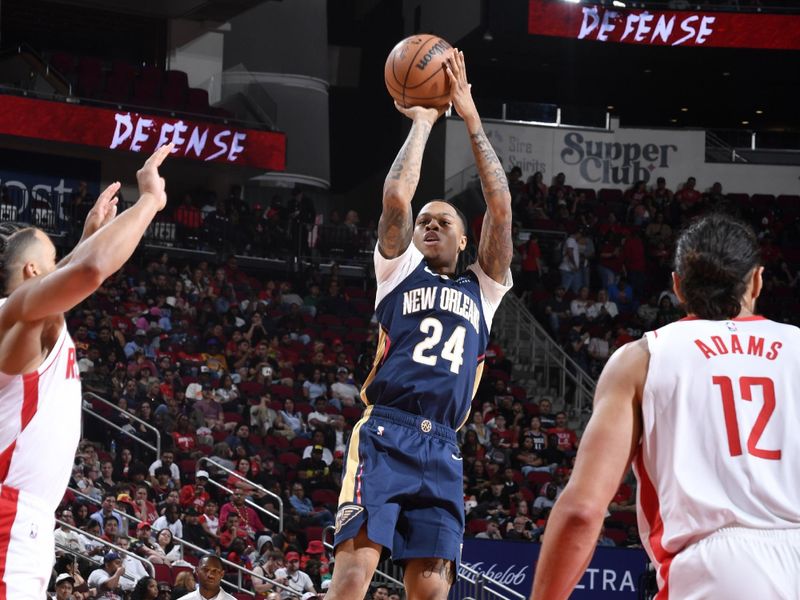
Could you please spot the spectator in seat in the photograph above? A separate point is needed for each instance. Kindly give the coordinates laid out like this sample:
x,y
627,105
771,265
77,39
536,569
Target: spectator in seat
x,y
184,438
232,530
494,502
546,416
170,520
207,411
262,417
318,440
110,528
556,309
633,257
571,263
344,390
107,579
580,306
521,528
195,494
602,311
314,471
292,577
241,439
193,532
318,419
492,531
536,432
662,196
315,387
146,588
107,509
567,439
67,537
305,508
209,520
542,504
250,520
64,586
134,568
658,230
185,583
480,428
688,196
167,461
289,423
621,294
603,539
648,311
667,313
528,460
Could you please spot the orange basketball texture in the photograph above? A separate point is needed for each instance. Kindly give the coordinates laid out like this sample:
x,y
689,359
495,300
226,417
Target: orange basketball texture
x,y
414,71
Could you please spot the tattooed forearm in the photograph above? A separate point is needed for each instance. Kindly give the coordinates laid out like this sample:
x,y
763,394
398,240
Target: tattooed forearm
x,y
496,247
493,177
394,227
407,165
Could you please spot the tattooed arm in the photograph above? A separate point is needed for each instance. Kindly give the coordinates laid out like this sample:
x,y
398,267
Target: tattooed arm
x,y
395,226
496,247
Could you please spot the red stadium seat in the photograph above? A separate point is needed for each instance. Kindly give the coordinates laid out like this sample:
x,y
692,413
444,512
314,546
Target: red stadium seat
x,y
618,535
177,571
313,532
251,388
276,441
197,101
300,443
322,497
476,526
281,391
290,459
188,467
538,478
163,573
352,413
176,89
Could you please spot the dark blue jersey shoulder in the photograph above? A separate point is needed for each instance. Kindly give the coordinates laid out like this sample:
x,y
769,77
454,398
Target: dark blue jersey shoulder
x,y
433,339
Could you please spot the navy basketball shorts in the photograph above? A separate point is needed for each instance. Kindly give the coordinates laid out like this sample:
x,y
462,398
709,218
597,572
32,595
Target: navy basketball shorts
x,y
403,479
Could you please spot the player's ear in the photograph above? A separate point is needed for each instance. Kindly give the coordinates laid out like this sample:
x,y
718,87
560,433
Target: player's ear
x,y
462,243
676,287
757,282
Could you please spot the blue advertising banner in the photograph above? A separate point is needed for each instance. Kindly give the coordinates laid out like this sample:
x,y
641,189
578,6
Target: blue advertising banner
x,y
613,573
32,183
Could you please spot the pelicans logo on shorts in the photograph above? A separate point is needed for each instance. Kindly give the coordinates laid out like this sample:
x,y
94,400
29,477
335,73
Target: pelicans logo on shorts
x,y
347,513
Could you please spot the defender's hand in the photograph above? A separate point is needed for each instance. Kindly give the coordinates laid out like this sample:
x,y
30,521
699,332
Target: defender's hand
x,y
103,211
460,89
150,182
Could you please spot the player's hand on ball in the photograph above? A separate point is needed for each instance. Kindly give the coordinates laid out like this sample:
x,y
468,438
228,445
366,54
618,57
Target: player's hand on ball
x,y
422,113
150,182
460,89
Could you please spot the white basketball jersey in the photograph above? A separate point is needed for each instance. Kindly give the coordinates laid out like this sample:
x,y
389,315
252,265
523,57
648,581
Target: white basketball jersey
x,y
40,424
721,431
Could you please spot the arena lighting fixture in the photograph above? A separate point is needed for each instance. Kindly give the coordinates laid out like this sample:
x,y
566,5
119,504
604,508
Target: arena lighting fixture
x,y
610,107
573,1
684,109
673,120
745,122
618,4
759,112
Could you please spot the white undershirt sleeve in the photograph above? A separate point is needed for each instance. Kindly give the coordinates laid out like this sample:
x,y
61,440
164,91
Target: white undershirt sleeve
x,y
390,272
492,291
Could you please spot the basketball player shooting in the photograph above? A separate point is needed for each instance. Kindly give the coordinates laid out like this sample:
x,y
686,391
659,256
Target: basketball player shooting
x,y
707,408
40,389
402,487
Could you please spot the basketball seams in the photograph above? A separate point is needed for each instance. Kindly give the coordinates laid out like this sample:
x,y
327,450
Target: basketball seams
x,y
411,65
403,88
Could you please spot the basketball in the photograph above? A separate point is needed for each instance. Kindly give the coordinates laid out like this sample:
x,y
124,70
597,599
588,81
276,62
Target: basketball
x,y
415,71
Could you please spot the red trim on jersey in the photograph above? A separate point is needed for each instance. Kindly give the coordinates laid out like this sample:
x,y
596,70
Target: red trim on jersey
x,y
481,357
8,495
655,333
738,319
30,398
5,460
30,402
648,498
358,486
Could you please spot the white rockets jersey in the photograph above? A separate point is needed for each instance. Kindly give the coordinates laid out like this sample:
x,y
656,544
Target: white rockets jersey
x,y
40,424
721,431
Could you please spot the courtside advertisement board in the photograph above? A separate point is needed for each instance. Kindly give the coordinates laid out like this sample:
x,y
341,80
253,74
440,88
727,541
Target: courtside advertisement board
x,y
663,28
140,132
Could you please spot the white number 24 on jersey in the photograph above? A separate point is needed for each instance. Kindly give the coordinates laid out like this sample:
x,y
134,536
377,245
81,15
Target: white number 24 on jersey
x,y
453,349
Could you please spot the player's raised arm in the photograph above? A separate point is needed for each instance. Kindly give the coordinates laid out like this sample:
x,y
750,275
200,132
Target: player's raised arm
x,y
395,226
496,246
100,255
605,453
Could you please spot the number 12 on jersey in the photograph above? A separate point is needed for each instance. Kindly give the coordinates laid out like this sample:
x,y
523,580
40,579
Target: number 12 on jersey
x,y
746,385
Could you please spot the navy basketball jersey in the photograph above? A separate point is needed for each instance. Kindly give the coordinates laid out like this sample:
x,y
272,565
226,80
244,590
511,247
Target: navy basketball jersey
x,y
433,335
